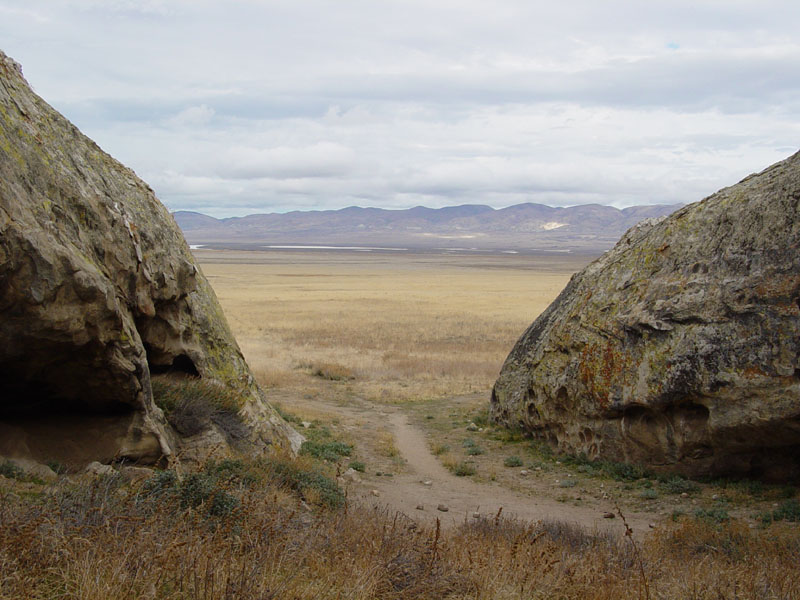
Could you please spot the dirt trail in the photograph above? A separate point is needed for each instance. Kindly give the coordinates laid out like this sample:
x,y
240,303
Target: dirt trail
x,y
463,496
425,481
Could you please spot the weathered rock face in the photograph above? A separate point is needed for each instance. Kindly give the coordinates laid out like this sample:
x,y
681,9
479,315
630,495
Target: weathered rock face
x,y
98,291
680,347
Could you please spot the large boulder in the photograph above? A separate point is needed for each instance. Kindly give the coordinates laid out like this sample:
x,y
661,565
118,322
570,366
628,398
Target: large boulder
x,y
679,348
98,293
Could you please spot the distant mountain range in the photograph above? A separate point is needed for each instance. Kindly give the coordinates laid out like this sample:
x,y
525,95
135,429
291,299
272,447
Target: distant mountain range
x,y
528,228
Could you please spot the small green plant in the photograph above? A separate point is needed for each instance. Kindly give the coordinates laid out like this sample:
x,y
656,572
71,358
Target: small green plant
x,y
439,449
679,485
357,465
513,461
464,469
567,483
306,482
474,450
468,442
712,515
57,467
331,450
11,471
788,510
648,494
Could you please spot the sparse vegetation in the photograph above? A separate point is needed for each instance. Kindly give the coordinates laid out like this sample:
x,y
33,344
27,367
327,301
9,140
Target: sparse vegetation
x,y
464,469
513,461
191,405
10,470
357,465
231,530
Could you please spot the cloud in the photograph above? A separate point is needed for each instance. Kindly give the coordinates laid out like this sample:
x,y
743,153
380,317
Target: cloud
x,y
260,105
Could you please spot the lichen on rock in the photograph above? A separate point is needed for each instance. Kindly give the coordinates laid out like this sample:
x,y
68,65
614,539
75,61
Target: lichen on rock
x,y
679,348
99,292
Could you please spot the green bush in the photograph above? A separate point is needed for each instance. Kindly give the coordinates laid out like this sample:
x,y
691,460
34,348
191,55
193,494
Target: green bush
x,y
11,471
513,461
712,515
331,450
678,485
357,465
788,510
567,483
648,494
301,480
464,469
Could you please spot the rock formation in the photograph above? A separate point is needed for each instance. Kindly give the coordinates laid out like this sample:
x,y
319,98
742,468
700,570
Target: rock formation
x,y
679,348
98,292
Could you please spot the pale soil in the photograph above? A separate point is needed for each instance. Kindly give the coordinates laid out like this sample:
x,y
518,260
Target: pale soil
x,y
419,478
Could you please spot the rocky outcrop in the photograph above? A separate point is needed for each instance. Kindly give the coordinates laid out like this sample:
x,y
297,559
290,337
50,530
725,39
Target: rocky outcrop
x,y
98,293
680,347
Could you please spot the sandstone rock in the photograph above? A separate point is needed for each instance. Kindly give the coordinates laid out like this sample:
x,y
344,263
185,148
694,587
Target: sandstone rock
x,y
99,470
351,475
420,507
443,508
678,348
35,469
98,293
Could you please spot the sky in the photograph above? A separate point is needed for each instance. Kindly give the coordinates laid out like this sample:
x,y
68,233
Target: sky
x,y
248,106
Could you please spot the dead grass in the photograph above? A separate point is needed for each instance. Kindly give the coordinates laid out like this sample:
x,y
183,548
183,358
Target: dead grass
x,y
392,328
105,539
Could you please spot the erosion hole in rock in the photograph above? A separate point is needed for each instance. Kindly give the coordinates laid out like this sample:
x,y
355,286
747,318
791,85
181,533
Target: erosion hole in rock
x,y
180,364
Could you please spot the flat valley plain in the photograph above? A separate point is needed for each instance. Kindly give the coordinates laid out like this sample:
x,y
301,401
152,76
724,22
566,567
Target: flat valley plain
x,y
397,327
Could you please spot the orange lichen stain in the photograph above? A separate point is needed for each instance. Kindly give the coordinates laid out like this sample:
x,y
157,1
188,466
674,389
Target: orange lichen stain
x,y
753,373
601,368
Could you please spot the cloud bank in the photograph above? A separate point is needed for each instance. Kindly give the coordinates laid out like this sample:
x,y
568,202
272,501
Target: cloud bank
x,y
248,106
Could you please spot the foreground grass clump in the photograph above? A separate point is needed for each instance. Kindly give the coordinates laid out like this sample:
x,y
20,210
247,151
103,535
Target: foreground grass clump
x,y
236,529
191,405
171,538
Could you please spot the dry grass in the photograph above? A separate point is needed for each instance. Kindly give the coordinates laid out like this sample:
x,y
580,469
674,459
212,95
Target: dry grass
x,y
104,539
393,328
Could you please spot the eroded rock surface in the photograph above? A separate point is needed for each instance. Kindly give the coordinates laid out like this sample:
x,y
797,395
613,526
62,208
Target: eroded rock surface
x,y
98,291
678,348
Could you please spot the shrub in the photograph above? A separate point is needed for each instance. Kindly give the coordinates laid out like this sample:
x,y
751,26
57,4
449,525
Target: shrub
x,y
464,469
787,511
439,449
567,483
679,485
712,515
331,450
357,465
305,480
10,470
513,461
648,494
474,450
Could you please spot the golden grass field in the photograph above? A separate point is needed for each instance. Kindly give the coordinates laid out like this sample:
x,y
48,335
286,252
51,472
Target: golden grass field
x,y
397,327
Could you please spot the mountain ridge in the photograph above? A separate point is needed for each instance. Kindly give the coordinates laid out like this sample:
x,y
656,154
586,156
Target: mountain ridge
x,y
527,226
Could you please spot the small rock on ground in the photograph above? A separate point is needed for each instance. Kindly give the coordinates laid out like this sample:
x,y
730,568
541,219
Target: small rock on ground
x,y
443,507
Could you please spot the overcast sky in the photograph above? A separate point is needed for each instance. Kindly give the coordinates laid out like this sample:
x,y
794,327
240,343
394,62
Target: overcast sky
x,y
245,106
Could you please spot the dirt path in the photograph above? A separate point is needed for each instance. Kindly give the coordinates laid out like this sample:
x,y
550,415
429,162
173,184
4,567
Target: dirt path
x,y
429,484
424,481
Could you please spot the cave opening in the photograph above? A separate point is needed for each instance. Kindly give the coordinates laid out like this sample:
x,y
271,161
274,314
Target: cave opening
x,y
180,364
